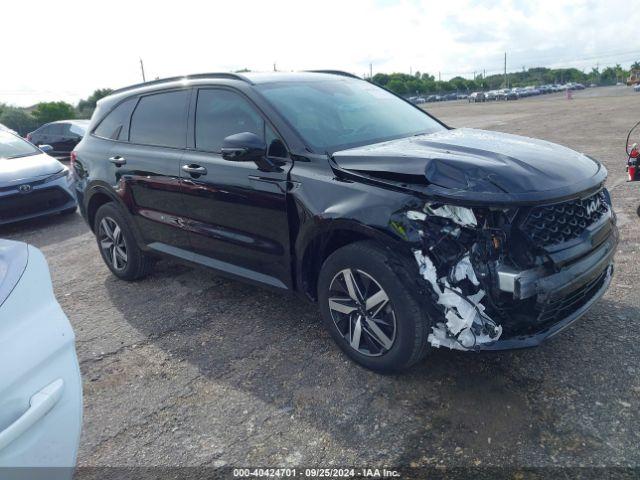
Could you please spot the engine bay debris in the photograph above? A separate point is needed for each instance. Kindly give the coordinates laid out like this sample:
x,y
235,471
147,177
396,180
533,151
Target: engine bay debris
x,y
455,284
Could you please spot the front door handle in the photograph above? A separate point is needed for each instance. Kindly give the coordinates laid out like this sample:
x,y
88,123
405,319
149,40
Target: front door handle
x,y
39,405
194,169
118,160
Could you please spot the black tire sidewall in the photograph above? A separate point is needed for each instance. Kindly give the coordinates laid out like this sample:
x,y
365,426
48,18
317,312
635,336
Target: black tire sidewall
x,y
411,319
134,254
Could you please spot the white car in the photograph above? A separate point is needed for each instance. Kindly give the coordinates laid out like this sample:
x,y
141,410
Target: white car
x,y
7,129
40,386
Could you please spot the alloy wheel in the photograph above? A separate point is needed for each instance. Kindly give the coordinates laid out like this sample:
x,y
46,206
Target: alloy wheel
x,y
362,312
112,243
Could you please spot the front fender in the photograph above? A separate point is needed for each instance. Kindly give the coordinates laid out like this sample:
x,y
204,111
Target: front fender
x,y
118,196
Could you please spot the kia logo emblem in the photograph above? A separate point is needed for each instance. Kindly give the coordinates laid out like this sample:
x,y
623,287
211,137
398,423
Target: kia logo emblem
x,y
593,206
24,188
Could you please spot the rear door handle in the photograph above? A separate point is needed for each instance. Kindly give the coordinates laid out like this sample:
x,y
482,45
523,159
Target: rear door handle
x,y
194,169
118,160
39,405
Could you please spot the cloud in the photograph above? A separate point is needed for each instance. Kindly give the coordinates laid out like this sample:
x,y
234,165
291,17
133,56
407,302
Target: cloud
x,y
74,47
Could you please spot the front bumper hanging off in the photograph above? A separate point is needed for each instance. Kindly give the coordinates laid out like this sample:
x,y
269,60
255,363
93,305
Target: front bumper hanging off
x,y
562,297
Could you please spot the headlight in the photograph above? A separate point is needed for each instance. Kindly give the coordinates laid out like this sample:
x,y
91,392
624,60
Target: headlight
x,y
61,174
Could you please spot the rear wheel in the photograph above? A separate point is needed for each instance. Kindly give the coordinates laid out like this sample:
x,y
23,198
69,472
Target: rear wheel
x,y
370,313
118,246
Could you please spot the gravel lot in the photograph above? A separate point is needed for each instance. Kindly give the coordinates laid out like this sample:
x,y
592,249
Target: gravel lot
x,y
187,368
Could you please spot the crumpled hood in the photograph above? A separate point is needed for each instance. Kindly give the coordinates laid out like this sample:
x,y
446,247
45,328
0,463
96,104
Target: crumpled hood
x,y
14,170
467,162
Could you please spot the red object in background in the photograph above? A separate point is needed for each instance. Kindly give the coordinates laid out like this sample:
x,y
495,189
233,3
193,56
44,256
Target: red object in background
x,y
632,172
73,156
634,153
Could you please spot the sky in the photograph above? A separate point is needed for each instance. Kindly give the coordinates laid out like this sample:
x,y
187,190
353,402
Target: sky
x,y
64,50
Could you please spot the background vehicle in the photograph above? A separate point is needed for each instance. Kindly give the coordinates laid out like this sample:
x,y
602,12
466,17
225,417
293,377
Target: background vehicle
x,y
40,386
63,136
263,190
511,94
32,183
477,97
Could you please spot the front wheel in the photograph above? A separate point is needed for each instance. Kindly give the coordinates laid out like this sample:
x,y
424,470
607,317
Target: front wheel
x,y
370,311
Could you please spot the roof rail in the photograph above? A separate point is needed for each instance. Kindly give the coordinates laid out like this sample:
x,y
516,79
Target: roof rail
x,y
336,72
230,76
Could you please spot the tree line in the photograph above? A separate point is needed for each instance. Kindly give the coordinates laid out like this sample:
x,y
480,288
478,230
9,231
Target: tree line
x,y
25,120
424,83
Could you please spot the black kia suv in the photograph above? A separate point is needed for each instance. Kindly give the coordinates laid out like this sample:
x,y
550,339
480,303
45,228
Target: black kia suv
x,y
409,234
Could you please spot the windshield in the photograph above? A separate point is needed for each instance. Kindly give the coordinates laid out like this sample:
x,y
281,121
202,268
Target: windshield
x,y
12,146
332,115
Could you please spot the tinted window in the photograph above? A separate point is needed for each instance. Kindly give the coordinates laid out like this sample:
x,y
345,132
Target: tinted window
x,y
160,119
220,113
334,114
77,130
44,130
56,129
116,124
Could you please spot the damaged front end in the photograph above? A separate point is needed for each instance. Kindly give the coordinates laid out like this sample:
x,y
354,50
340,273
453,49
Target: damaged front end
x,y
510,277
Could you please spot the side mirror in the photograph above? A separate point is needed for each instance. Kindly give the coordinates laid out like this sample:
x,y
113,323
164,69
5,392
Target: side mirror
x,y
243,147
45,148
247,147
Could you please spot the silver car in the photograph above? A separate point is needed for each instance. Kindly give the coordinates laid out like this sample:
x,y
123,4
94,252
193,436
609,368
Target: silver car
x,y
32,183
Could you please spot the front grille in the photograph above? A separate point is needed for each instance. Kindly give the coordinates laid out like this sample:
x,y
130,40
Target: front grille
x,y
553,224
22,204
561,308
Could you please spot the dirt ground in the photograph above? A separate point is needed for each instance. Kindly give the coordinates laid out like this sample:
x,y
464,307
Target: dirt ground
x,y
187,368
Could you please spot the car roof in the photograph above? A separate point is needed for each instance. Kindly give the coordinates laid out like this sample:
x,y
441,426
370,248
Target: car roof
x,y
312,76
78,121
249,78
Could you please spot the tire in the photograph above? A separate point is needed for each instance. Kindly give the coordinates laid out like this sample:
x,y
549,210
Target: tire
x,y
374,268
134,264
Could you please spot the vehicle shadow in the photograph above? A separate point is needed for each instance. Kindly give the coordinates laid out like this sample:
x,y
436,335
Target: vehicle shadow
x,y
456,406
44,231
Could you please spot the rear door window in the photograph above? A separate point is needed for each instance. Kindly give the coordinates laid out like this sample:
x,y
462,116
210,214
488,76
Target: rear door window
x,y
66,129
56,129
161,119
115,125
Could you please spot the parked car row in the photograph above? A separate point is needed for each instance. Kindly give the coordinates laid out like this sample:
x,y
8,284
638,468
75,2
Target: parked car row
x,y
522,92
438,98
